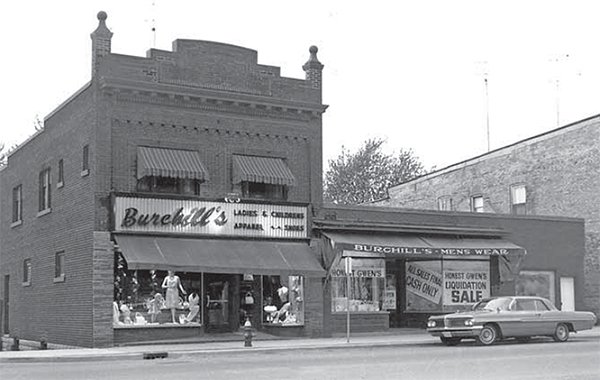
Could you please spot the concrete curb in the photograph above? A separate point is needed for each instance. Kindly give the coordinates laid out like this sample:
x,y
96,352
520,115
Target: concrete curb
x,y
159,351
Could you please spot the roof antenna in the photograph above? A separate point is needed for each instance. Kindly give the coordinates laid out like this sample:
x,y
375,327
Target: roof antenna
x,y
153,24
484,73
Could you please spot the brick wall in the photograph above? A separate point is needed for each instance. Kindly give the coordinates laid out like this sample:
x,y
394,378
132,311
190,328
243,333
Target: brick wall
x,y
559,169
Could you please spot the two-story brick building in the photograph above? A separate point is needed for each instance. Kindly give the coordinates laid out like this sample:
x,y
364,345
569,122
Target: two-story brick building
x,y
554,173
198,160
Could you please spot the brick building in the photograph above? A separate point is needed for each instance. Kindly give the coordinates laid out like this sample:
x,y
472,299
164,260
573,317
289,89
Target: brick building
x,y
201,162
181,160
554,173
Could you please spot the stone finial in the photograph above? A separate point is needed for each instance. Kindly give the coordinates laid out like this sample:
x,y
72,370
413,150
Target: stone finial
x,y
314,70
313,61
100,41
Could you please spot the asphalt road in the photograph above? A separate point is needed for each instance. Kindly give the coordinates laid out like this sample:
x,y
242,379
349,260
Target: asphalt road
x,y
542,358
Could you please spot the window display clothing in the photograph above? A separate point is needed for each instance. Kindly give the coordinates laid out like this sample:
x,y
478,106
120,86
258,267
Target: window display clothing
x,y
172,283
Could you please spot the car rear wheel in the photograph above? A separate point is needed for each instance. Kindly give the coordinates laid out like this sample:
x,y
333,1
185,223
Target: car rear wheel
x,y
450,341
561,334
488,335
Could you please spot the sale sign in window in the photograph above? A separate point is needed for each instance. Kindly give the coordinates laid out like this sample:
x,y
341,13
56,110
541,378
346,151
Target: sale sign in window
x,y
466,286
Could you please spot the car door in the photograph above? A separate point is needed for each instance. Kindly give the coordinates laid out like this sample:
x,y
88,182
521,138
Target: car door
x,y
528,318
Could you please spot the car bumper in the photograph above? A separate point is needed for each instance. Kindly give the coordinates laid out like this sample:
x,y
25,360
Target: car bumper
x,y
468,332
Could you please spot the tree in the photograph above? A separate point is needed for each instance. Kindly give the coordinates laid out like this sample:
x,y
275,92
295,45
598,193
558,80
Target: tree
x,y
366,175
3,155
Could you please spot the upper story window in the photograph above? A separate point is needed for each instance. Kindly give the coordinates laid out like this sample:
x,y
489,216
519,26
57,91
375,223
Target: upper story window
x,y
518,199
44,190
445,203
262,177
85,166
61,173
17,214
169,171
477,203
27,272
59,266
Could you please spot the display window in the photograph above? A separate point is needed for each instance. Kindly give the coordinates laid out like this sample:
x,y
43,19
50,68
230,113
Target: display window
x,y
445,284
283,300
154,297
363,291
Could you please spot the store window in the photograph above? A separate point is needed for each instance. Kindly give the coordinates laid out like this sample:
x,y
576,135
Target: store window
x,y
140,298
283,299
536,283
17,215
446,285
366,292
518,199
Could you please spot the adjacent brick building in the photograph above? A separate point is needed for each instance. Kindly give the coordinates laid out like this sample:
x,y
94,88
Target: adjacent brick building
x,y
554,173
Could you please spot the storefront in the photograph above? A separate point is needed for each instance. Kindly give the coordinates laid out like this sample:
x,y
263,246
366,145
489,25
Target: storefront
x,y
189,267
398,280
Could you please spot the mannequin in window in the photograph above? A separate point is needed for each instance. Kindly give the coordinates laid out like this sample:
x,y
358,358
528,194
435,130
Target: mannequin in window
x,y
172,283
282,313
193,301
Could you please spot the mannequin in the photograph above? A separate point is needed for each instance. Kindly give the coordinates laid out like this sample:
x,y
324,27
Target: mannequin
x,y
172,283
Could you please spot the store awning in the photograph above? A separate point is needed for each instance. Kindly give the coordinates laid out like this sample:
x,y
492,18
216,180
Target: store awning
x,y
219,256
361,245
172,163
268,170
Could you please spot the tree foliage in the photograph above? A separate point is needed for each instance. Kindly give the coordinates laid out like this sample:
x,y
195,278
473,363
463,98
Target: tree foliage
x,y
365,175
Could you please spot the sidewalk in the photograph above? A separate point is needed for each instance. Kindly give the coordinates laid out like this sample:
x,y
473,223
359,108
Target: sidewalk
x,y
395,337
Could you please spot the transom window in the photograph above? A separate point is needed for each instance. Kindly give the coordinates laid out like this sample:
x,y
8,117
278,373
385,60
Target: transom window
x,y
258,190
167,185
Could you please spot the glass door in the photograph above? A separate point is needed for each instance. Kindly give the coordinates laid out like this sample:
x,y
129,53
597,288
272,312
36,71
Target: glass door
x,y
218,288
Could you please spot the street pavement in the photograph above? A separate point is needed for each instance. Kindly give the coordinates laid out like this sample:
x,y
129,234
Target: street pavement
x,y
261,342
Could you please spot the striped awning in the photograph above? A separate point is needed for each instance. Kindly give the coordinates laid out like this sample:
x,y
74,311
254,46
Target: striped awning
x,y
269,170
172,163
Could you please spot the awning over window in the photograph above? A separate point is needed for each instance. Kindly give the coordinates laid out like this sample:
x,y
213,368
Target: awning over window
x,y
395,245
273,171
172,163
219,256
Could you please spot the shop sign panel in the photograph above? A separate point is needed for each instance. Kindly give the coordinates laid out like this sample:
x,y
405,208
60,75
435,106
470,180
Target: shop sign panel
x,y
210,218
423,282
465,286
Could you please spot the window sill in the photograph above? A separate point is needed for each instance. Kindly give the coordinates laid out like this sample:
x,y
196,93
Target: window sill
x,y
59,185
44,212
16,224
24,284
59,279
155,325
85,172
267,324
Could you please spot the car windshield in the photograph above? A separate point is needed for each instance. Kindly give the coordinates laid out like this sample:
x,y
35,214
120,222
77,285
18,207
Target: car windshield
x,y
493,304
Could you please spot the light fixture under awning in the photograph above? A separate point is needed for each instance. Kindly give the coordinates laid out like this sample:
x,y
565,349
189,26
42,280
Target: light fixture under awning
x,y
219,256
267,170
171,163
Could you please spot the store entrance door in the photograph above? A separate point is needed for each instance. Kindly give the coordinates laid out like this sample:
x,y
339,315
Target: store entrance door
x,y
218,295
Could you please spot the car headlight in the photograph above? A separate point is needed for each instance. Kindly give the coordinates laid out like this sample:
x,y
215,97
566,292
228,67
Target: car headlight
x,y
431,324
469,322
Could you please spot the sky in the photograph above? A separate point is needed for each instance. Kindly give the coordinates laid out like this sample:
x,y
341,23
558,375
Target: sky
x,y
447,79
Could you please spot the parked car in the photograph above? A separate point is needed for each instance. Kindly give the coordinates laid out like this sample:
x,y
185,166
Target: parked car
x,y
519,317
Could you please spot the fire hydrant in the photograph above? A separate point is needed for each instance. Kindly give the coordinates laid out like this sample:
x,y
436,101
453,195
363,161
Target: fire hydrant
x,y
247,333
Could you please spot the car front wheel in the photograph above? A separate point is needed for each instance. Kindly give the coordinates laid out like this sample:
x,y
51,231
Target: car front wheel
x,y
561,334
487,335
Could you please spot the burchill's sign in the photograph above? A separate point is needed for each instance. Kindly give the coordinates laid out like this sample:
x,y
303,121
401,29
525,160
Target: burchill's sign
x,y
210,218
